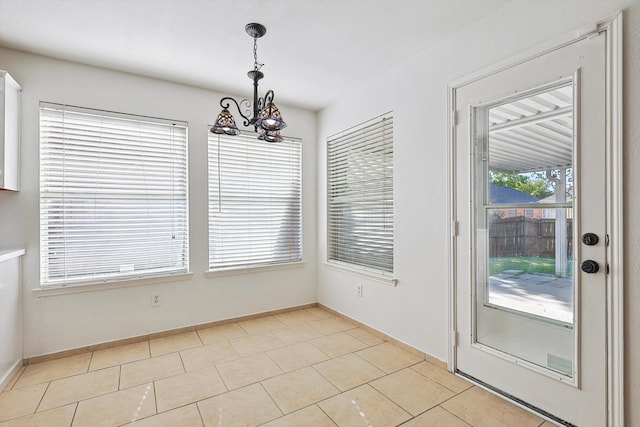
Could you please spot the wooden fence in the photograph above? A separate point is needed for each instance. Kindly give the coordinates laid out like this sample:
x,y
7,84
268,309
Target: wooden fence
x,y
527,237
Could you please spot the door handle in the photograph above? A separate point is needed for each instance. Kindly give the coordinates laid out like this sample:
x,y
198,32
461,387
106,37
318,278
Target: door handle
x,y
589,266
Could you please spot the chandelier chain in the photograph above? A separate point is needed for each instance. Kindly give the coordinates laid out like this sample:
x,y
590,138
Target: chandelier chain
x,y
256,64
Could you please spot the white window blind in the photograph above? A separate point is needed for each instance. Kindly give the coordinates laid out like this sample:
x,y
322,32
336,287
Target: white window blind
x,y
360,195
255,201
113,196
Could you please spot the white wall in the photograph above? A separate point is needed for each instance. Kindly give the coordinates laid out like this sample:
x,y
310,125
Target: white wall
x,y
416,312
61,322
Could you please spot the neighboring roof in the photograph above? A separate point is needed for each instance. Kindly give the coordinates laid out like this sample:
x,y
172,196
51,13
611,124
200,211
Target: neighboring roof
x,y
499,194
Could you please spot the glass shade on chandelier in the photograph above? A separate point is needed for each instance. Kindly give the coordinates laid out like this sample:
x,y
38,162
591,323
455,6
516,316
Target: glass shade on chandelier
x,y
270,118
270,136
225,124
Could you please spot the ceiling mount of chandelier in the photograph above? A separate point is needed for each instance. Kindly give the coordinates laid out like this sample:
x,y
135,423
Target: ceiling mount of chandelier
x,y
265,115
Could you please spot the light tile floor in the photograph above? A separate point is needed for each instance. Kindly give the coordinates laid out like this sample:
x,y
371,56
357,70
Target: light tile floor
x,y
303,368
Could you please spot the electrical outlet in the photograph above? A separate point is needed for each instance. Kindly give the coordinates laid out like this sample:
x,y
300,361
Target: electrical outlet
x,y
156,299
359,290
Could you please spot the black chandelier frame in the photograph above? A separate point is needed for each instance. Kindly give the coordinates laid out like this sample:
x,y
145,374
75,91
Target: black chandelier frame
x,y
262,113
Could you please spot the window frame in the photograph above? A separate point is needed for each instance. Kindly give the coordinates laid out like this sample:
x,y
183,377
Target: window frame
x,y
228,264
378,127
55,145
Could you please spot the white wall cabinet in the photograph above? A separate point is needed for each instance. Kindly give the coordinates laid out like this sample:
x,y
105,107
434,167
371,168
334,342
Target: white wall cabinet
x,y
9,132
10,314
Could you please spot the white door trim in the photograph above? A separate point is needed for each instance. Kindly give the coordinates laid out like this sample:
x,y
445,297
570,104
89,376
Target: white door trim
x,y
612,28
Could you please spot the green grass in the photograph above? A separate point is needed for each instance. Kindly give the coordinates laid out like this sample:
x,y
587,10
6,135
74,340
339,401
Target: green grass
x,y
526,264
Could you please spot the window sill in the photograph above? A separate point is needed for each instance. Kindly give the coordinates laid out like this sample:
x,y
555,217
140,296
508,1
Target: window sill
x,y
362,272
253,269
48,291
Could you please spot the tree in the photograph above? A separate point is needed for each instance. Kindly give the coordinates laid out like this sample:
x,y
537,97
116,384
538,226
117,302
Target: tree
x,y
534,185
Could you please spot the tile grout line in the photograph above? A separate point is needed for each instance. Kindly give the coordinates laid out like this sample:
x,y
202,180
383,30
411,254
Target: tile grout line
x,y
451,398
198,407
370,384
119,376
199,338
449,412
323,376
42,397
75,411
273,400
215,365
327,415
275,361
90,360
184,368
155,398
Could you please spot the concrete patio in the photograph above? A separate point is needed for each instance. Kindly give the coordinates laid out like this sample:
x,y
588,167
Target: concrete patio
x,y
539,294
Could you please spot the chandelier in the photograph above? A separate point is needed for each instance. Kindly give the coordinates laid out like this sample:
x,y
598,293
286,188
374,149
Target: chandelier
x,y
266,118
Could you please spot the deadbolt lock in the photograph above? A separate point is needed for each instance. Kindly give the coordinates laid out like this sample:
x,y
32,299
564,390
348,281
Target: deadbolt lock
x,y
590,239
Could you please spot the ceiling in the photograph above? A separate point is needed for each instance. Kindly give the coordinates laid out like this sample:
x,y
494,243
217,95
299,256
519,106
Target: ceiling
x,y
533,132
313,51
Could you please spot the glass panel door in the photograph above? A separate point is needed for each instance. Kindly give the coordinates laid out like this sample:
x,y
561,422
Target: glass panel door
x,y
524,215
529,242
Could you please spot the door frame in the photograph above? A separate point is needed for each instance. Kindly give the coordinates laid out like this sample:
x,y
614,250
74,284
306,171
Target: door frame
x,y
612,29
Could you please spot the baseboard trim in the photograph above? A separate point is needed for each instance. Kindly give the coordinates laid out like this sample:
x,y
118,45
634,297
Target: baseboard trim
x,y
110,344
388,338
125,341
11,376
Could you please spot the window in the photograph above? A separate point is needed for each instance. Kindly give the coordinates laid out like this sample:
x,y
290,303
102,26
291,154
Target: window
x,y
360,195
255,201
113,196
